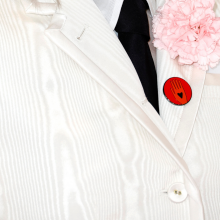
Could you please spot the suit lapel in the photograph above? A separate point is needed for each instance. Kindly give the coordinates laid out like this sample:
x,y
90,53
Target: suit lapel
x,y
188,117
179,119
80,30
88,30
87,33
189,113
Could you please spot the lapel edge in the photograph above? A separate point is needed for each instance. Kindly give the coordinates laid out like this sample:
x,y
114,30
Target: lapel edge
x,y
143,112
190,111
39,8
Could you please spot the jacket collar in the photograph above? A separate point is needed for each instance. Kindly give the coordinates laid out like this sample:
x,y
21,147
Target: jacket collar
x,y
81,31
179,119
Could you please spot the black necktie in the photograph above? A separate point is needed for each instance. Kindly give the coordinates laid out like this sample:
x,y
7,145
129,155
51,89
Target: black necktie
x,y
133,32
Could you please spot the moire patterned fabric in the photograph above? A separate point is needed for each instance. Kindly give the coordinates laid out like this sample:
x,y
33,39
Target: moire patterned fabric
x,y
79,140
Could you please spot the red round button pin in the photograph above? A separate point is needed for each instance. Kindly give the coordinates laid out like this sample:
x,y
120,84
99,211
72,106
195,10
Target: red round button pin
x,y
177,91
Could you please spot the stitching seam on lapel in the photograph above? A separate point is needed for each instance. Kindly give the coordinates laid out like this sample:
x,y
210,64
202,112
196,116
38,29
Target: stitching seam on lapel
x,y
181,115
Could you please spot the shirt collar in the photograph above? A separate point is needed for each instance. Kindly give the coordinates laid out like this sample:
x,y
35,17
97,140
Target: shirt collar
x,y
110,10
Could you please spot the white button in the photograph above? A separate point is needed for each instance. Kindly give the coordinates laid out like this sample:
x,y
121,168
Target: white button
x,y
177,192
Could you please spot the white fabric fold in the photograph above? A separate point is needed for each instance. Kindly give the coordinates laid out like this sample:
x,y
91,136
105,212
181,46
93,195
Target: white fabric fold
x,y
143,112
41,8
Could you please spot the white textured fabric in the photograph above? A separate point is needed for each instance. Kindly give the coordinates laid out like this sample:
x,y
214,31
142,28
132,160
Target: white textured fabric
x,y
70,146
203,151
68,149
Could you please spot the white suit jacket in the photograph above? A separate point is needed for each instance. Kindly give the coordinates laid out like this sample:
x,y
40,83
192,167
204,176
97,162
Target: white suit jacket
x,y
78,138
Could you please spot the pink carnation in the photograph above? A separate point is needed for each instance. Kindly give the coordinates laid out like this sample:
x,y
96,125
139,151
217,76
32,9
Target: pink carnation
x,y
189,30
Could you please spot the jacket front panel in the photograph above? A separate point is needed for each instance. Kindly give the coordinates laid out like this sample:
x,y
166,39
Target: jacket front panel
x,y
70,141
195,127
202,153
69,149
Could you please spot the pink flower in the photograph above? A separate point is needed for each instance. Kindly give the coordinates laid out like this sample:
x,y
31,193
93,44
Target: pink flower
x,y
189,30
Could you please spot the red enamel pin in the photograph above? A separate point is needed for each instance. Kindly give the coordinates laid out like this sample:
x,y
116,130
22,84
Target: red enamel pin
x,y
177,91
